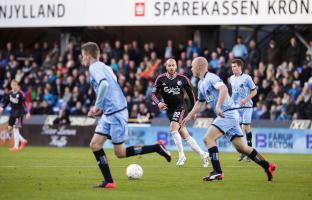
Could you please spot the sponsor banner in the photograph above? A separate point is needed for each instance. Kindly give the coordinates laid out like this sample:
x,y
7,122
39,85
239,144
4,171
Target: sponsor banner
x,y
58,136
267,140
74,120
282,140
6,138
50,13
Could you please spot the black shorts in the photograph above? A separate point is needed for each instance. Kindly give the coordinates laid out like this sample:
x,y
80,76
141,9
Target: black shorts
x,y
17,121
177,115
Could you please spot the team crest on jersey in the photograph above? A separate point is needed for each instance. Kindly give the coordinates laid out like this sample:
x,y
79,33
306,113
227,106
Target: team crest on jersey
x,y
179,82
209,98
14,100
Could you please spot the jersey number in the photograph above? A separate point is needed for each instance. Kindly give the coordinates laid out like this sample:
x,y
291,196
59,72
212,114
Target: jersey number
x,y
177,115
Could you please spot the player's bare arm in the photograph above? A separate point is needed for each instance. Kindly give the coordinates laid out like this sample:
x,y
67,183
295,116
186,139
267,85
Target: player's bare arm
x,y
222,95
193,112
250,96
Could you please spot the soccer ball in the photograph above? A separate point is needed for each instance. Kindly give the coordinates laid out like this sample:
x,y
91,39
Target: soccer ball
x,y
134,171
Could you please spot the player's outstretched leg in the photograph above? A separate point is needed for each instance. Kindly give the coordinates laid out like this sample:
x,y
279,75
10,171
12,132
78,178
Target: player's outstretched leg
x,y
140,150
241,155
259,159
16,139
96,145
178,142
21,139
194,145
247,129
252,153
210,140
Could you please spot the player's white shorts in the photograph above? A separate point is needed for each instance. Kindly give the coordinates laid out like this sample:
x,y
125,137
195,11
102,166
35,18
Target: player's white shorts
x,y
245,115
114,127
229,125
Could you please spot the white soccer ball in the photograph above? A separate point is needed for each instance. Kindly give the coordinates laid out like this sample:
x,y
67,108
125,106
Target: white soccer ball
x,y
134,171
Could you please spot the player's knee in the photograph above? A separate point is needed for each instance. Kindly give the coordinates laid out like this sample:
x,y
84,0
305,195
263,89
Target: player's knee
x,y
94,145
246,129
242,149
208,141
173,128
120,154
239,149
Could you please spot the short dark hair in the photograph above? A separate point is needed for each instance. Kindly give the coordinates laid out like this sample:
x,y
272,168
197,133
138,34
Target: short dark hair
x,y
239,61
91,48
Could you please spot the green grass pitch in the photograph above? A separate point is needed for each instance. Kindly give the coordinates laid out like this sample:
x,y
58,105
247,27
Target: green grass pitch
x,y
69,173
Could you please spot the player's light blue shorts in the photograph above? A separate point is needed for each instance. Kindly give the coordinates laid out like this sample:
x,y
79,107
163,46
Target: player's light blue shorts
x,y
229,125
114,127
245,115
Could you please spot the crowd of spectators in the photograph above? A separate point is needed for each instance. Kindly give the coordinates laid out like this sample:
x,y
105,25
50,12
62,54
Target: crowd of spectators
x,y
56,82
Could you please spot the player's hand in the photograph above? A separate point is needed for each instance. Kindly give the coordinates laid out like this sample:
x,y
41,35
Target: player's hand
x,y
243,102
28,116
90,114
185,120
94,112
219,112
162,106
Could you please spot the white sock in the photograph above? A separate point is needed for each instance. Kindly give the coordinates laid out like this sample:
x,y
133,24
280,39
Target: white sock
x,y
21,138
190,140
16,138
178,141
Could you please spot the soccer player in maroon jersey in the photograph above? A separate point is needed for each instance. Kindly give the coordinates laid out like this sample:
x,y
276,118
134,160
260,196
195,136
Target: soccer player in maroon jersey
x,y
171,86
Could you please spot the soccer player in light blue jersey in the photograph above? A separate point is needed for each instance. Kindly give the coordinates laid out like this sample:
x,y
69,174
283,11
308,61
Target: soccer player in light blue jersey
x,y
243,90
212,90
111,106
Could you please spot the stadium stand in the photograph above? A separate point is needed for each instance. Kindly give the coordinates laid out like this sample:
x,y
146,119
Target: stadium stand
x,y
53,81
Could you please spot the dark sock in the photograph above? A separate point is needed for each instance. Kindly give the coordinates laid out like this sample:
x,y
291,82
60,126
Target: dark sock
x,y
257,158
103,165
214,157
138,150
249,139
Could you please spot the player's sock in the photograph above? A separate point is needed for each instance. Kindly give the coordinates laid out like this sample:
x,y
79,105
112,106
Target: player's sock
x,y
16,138
138,150
178,141
21,138
249,139
103,165
214,157
190,140
257,158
